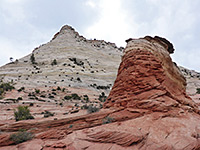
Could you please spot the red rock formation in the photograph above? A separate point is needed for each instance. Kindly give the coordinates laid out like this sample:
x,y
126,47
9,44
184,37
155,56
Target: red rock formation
x,y
148,79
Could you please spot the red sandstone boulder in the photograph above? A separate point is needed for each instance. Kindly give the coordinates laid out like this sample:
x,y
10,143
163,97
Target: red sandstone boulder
x,y
148,79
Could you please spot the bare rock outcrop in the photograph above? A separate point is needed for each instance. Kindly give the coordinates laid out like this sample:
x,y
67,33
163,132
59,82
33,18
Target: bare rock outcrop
x,y
93,62
148,79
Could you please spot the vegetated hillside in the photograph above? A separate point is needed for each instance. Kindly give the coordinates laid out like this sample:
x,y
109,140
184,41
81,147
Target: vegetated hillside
x,y
70,60
67,60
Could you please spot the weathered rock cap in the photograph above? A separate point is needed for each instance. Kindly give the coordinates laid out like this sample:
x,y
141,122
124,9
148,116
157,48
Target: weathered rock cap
x,y
162,41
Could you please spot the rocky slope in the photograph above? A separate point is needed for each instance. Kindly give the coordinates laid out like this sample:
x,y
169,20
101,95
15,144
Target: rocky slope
x,y
78,62
147,109
193,80
68,62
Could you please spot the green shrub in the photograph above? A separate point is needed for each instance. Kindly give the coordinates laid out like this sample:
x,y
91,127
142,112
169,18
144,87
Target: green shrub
x,y
84,107
32,58
12,99
61,104
21,136
51,96
63,90
19,98
31,104
73,96
92,109
198,91
37,91
58,88
43,96
54,93
5,87
1,91
47,114
79,80
102,97
21,89
29,94
107,120
54,62
22,113
86,98
67,97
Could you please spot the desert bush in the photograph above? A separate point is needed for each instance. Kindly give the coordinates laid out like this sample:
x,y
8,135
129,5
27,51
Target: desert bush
x,y
63,90
22,113
21,89
43,96
79,80
54,62
5,87
107,120
21,136
30,94
67,97
92,109
37,91
32,58
51,96
102,97
19,98
31,104
86,98
12,99
198,91
54,93
1,91
77,61
84,107
73,96
103,87
47,114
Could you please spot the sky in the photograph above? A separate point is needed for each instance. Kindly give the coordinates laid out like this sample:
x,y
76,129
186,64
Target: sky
x,y
26,24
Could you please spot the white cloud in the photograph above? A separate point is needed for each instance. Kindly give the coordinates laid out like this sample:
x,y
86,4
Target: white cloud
x,y
8,50
175,20
18,36
113,23
12,11
14,1
90,3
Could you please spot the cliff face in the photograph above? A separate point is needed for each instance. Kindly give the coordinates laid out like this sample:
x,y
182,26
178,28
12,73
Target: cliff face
x,y
148,79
